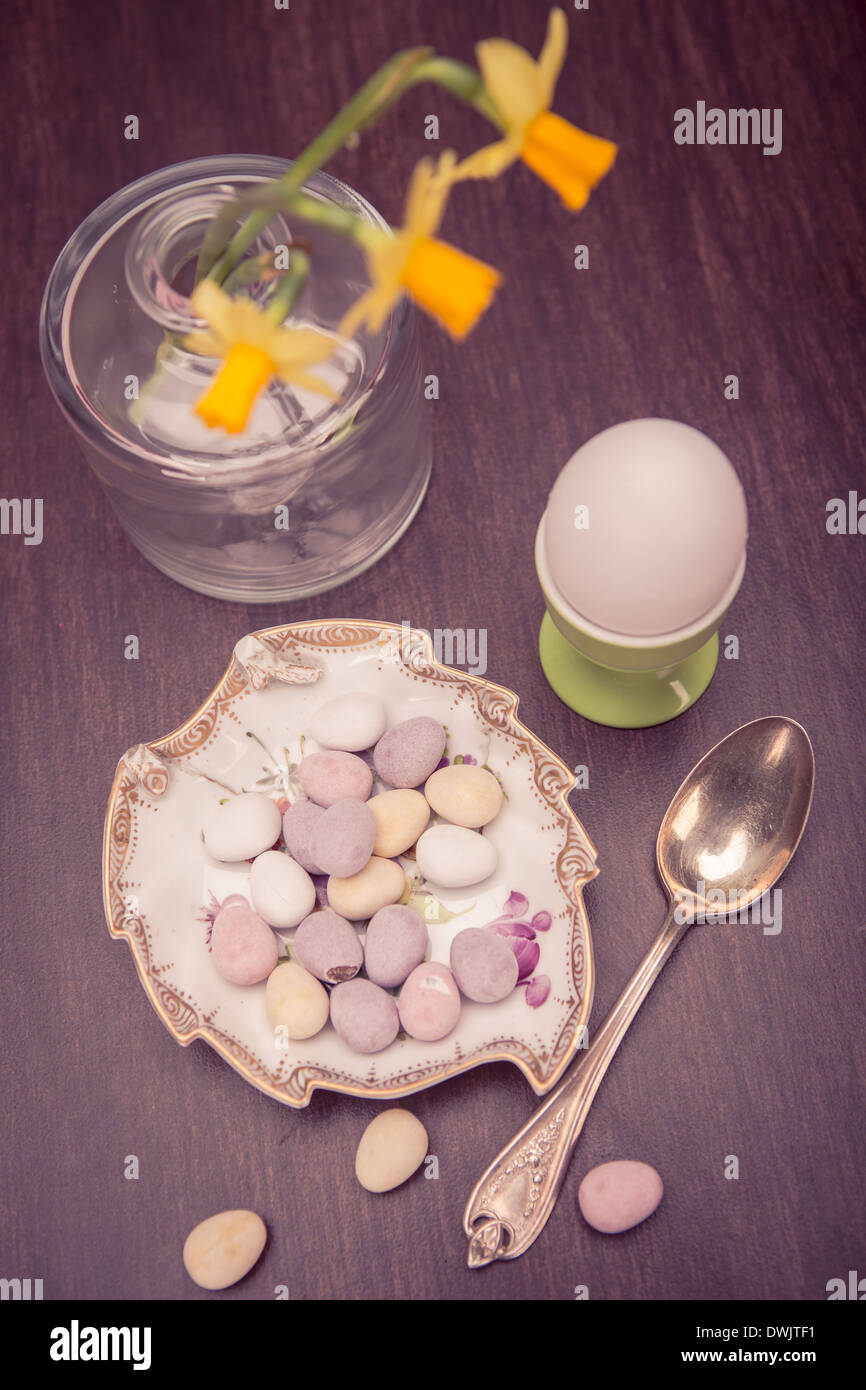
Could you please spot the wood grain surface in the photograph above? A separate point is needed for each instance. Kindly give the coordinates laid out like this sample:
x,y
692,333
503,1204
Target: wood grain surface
x,y
704,261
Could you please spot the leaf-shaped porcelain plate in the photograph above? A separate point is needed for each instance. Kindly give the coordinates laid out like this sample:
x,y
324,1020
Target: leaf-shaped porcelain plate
x,y
159,881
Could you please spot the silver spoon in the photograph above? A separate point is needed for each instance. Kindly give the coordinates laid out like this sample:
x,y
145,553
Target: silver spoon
x,y
733,825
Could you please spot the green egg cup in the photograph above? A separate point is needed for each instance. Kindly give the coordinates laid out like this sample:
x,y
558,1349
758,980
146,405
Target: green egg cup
x,y
623,699
625,683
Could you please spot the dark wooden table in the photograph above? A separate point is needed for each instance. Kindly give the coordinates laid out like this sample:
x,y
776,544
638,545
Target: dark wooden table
x,y
704,262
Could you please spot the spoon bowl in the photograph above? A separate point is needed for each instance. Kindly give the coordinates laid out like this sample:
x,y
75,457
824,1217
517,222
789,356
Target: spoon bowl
x,y
738,816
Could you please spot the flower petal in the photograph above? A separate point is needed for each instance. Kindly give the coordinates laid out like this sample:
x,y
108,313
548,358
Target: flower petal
x,y
213,304
504,926
527,953
513,81
206,344
310,382
489,162
425,200
537,991
299,347
552,55
453,287
516,904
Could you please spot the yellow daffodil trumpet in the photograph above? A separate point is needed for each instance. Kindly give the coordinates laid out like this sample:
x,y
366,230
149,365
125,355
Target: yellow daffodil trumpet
x,y
453,287
521,90
254,349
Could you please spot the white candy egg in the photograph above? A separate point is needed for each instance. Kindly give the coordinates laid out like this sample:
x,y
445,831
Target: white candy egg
x,y
350,723
282,892
243,827
454,857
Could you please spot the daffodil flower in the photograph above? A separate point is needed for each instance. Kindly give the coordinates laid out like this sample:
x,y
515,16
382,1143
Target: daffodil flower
x,y
453,287
254,349
521,89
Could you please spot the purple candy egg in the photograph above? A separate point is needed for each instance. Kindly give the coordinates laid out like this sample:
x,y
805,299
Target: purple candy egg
x,y
484,965
396,942
343,838
328,947
406,755
364,1015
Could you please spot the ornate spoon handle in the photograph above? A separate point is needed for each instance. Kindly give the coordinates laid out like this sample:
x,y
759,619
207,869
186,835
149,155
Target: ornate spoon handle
x,y
512,1201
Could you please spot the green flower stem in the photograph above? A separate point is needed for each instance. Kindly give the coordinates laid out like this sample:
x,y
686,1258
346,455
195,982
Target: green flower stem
x,y
461,81
383,88
289,287
327,215
313,210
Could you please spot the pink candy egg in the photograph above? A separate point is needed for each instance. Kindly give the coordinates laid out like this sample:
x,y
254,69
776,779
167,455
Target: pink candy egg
x,y
616,1196
243,947
299,822
429,1002
333,776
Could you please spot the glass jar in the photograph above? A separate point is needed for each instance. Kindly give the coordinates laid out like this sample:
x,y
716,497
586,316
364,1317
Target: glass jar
x,y
313,491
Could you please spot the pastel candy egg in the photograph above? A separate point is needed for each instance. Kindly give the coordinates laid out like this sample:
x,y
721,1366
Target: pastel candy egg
x,y
282,892
454,856
221,1250
351,722
401,816
242,827
484,965
616,1196
328,947
464,795
429,1002
299,821
396,942
392,1148
379,883
364,1016
243,947
407,754
329,777
296,1001
342,840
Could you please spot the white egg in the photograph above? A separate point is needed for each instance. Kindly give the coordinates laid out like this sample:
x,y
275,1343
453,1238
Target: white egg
x,y
350,723
282,892
646,527
454,857
243,827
